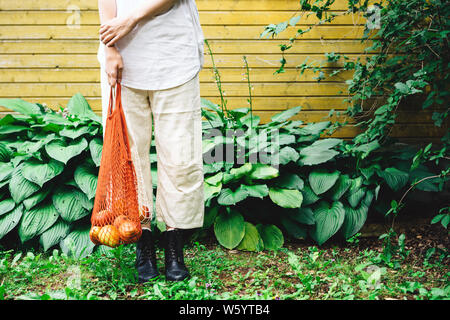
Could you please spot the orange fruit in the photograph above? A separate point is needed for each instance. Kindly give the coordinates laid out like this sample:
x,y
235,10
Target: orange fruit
x,y
119,220
93,234
109,236
101,217
129,231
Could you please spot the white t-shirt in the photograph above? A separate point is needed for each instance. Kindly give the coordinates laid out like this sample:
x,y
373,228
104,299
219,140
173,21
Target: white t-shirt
x,y
162,52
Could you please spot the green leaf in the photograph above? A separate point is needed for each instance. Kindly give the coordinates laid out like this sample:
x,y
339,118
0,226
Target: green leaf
x,y
6,206
37,220
315,128
35,198
229,197
210,216
328,220
316,155
21,106
396,179
241,171
74,133
229,228
5,152
354,219
303,215
309,197
54,234
39,173
288,154
77,243
6,170
263,171
272,236
12,128
79,107
294,229
62,151
211,190
68,206
340,187
96,147
321,180
289,181
85,176
252,241
355,197
19,187
285,115
286,198
10,220
256,190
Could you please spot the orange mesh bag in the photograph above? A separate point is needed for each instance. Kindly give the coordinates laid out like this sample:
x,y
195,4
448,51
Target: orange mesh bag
x,y
115,217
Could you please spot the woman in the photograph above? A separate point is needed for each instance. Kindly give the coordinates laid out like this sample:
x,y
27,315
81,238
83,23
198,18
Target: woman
x,y
154,48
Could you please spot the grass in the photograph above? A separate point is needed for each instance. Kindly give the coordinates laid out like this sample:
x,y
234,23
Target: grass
x,y
354,270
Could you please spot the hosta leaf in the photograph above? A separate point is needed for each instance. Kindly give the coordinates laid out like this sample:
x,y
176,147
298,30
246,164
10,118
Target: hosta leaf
x,y
37,220
5,152
355,197
241,171
314,128
62,151
12,128
286,114
229,228
288,154
316,155
67,205
85,176
39,173
6,170
309,197
321,180
286,198
303,215
229,197
77,243
289,181
10,220
395,178
19,187
96,147
256,190
263,171
74,133
252,240
326,143
285,138
21,106
54,234
214,180
354,219
211,190
271,235
6,206
35,198
340,187
328,220
210,216
79,107
294,229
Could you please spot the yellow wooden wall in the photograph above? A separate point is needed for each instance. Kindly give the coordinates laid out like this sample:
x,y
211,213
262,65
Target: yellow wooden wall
x,y
43,59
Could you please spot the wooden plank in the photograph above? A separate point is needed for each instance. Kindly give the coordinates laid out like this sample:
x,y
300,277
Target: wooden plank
x,y
217,46
32,17
324,32
246,5
206,75
207,89
221,61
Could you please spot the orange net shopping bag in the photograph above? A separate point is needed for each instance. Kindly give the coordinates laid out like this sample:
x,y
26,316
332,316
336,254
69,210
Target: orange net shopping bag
x,y
116,216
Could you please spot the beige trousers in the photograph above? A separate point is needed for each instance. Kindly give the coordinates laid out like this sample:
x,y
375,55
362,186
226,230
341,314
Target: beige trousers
x,y
177,121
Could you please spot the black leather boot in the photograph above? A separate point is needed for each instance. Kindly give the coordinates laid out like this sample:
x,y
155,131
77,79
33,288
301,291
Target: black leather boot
x,y
146,257
175,268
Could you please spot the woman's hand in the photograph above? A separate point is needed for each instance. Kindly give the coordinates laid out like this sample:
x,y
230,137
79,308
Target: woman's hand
x,y
114,65
115,29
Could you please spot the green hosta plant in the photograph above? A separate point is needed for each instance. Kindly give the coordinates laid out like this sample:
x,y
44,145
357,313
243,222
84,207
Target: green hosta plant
x,y
48,172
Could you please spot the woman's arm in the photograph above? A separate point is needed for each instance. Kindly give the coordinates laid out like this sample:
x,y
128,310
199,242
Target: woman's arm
x,y
113,59
116,28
